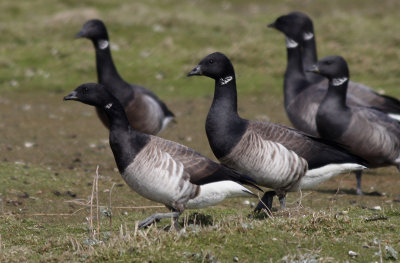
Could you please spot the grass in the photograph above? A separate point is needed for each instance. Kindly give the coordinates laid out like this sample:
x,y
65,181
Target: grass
x,y
49,150
211,235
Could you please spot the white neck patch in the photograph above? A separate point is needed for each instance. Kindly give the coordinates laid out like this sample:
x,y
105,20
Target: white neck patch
x,y
225,80
290,43
338,81
108,106
308,35
103,44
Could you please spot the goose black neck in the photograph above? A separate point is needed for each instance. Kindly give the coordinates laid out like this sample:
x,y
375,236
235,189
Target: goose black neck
x,y
337,94
294,82
310,52
310,58
106,71
333,116
125,142
224,127
116,115
225,97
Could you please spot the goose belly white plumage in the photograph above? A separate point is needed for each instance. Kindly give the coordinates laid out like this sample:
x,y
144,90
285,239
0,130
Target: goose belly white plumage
x,y
317,176
165,122
213,193
394,116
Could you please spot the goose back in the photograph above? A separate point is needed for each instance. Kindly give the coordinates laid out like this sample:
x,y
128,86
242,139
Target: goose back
x,y
373,136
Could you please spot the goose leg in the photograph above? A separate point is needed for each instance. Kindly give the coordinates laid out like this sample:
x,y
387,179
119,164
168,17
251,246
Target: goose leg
x,y
158,216
358,177
282,201
266,201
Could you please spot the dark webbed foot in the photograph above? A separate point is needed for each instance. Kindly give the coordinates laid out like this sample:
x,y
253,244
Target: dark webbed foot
x,y
266,202
157,217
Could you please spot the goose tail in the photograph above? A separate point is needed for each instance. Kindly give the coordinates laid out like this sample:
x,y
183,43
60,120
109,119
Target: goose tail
x,y
394,116
213,193
319,175
391,104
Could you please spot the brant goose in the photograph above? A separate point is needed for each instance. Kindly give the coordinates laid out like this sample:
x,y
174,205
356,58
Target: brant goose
x,y
145,111
301,97
358,94
304,91
275,156
161,170
363,131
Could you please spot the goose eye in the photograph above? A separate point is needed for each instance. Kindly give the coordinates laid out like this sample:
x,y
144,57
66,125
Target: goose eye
x,y
211,61
282,22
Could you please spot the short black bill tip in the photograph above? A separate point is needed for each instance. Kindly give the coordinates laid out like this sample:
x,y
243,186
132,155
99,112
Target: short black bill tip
x,y
195,72
80,34
313,68
272,25
71,96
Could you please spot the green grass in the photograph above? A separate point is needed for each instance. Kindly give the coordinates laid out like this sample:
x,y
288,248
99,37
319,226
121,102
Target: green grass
x,y
44,189
39,38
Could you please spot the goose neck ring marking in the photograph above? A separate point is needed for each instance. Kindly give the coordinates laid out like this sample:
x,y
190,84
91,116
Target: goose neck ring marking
x,y
308,35
290,43
338,81
226,80
103,44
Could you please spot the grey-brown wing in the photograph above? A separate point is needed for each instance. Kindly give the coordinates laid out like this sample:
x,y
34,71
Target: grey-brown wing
x,y
144,114
147,92
200,168
372,135
365,96
317,152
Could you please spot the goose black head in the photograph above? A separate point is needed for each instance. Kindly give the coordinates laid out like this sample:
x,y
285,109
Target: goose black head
x,y
332,67
216,66
295,25
92,94
93,29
